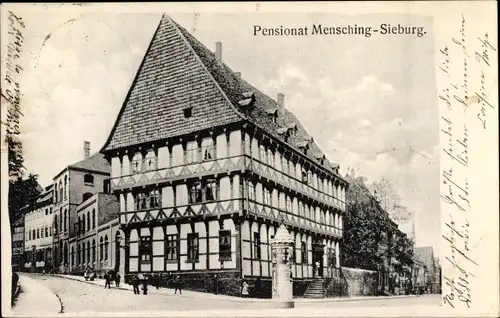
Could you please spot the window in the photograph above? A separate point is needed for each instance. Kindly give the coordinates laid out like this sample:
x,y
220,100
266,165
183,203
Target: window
x,y
137,163
101,249
188,112
147,200
140,201
207,149
42,233
46,211
93,218
303,251
88,179
37,233
88,252
288,204
47,231
65,186
193,247
73,255
301,209
210,189
154,199
83,224
225,245
304,176
270,157
192,152
29,236
55,193
263,154
88,221
267,196
106,244
93,250
256,245
171,249
145,249
151,160
60,191
251,191
50,231
50,210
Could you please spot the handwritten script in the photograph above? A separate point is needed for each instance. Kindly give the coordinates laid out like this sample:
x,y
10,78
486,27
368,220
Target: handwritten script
x,y
11,89
463,65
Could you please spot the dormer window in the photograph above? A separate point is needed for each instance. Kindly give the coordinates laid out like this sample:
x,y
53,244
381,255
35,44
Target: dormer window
x,y
188,112
247,100
273,114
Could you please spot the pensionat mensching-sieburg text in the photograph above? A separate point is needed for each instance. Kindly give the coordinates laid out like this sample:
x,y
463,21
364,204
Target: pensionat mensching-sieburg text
x,y
318,29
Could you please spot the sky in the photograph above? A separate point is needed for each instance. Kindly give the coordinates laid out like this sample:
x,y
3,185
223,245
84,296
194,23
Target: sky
x,y
369,102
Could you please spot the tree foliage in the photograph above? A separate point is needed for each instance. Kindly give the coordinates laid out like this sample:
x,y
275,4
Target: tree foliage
x,y
385,193
370,237
22,193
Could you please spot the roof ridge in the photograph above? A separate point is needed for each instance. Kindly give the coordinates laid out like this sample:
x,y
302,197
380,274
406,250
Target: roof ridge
x,y
198,59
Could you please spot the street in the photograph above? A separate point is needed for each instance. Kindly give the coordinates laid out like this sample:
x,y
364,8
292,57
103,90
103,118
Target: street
x,y
77,297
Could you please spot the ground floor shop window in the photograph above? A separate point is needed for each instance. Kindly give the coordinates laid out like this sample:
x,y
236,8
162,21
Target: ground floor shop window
x,y
145,249
171,247
225,245
193,247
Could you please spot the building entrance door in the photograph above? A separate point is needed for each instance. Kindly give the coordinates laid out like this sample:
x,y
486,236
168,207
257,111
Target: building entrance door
x,y
318,252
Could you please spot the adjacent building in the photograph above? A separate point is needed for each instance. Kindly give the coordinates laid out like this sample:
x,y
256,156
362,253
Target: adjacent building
x,y
426,268
206,167
17,231
73,185
38,219
97,237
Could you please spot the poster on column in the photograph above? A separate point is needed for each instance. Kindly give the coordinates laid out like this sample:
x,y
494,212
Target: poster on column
x,y
370,125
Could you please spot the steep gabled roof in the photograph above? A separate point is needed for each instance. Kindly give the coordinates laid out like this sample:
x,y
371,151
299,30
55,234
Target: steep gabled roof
x,y
177,72
170,78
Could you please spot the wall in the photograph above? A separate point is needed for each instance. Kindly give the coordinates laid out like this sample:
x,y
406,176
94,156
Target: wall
x,y
354,282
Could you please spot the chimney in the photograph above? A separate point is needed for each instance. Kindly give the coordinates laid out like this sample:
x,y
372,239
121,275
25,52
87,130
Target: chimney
x,y
218,51
86,149
281,105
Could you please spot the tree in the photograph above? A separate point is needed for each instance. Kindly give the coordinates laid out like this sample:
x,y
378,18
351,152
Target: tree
x,y
22,193
385,193
364,227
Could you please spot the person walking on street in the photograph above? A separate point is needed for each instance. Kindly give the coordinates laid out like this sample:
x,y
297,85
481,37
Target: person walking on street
x,y
244,289
135,284
258,288
117,279
107,280
178,285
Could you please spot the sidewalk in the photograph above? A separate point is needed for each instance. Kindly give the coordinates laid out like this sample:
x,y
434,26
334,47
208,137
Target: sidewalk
x,y
195,294
35,300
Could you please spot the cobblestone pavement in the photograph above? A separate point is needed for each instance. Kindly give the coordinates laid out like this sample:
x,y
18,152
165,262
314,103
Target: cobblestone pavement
x,y
77,297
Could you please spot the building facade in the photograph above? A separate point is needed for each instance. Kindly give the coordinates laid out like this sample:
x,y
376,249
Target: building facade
x,y
38,232
96,241
206,168
18,255
73,185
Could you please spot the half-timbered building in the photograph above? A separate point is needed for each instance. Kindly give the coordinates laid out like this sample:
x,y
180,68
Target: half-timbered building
x,y
206,167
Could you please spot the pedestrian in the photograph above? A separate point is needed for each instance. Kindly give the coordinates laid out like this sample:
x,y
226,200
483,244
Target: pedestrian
x,y
244,289
135,284
143,280
107,278
216,284
117,279
258,287
178,285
